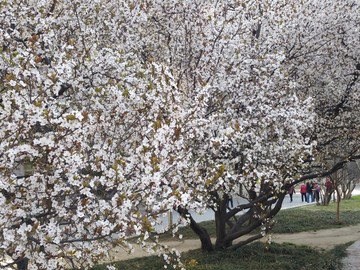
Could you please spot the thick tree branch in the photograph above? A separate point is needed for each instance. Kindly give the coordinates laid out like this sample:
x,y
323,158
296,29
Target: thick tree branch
x,y
339,165
206,244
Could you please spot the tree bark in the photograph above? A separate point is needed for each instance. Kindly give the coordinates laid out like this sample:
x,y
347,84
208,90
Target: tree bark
x,y
22,264
327,197
220,222
206,244
338,205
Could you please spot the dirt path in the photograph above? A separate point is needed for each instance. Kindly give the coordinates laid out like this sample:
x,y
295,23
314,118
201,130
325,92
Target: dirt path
x,y
325,239
322,239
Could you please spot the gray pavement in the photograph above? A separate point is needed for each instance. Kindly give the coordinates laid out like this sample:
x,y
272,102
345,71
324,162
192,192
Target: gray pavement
x,y
352,261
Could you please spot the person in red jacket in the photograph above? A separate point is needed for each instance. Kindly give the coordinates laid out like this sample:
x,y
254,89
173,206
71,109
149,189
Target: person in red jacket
x,y
303,192
328,185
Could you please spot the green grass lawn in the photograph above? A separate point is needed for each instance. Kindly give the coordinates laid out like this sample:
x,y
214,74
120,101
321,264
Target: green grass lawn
x,y
251,257
317,217
259,256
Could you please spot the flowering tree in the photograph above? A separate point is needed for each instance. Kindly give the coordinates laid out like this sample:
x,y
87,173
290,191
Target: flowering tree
x,y
122,110
336,92
275,81
94,127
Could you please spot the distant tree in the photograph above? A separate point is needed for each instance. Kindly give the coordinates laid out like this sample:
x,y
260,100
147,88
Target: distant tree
x,y
351,177
339,185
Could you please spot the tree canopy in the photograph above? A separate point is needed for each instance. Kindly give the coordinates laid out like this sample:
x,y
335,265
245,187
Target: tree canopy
x,y
119,111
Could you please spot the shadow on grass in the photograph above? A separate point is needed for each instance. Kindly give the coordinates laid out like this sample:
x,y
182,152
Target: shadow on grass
x,y
256,256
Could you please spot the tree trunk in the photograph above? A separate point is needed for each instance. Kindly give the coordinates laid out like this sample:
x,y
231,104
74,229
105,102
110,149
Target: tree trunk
x,y
348,188
338,205
22,264
205,240
201,232
327,197
220,222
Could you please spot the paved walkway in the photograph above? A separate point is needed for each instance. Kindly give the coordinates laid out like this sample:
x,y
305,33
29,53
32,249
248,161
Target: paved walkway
x,y
352,261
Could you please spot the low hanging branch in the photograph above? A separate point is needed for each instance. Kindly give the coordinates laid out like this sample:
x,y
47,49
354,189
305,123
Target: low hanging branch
x,y
339,165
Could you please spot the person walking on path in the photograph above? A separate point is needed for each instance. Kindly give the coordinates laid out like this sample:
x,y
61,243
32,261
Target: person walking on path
x,y
291,192
317,192
303,192
309,191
